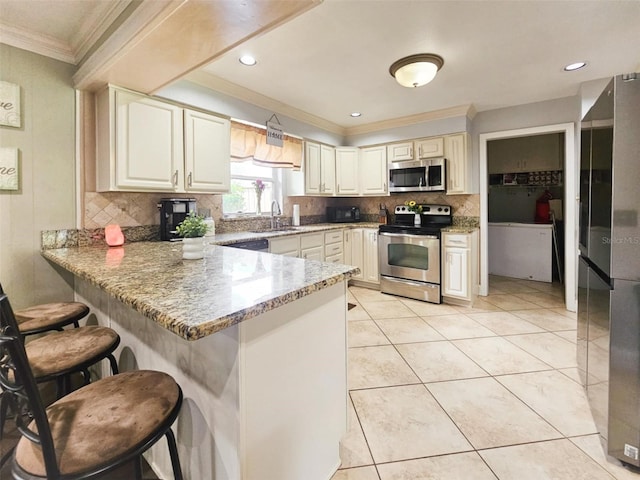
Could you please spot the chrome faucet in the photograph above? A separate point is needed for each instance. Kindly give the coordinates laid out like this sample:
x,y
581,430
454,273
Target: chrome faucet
x,y
274,212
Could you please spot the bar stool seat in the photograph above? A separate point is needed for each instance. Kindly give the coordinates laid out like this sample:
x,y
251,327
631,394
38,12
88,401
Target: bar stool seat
x,y
62,353
50,316
105,424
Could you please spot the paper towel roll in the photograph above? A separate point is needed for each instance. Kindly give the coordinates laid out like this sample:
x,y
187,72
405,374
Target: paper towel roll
x,y
296,215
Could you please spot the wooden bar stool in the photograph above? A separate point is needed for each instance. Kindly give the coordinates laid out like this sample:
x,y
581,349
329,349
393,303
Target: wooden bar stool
x,y
49,316
93,430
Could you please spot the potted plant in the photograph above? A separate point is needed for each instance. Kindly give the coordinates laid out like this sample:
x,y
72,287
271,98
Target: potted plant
x,y
192,230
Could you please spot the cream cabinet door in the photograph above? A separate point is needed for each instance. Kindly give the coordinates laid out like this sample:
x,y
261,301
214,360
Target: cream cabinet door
x,y
327,170
312,179
397,152
148,144
429,147
347,171
373,171
371,255
289,245
353,253
312,254
456,274
207,157
455,151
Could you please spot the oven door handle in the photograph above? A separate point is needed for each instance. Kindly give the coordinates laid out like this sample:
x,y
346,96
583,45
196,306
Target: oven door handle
x,y
408,235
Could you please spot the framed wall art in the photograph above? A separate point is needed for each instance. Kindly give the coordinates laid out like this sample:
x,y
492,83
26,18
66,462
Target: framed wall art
x,y
10,104
9,169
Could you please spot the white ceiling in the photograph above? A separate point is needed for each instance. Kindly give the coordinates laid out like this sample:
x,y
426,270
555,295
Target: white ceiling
x,y
334,59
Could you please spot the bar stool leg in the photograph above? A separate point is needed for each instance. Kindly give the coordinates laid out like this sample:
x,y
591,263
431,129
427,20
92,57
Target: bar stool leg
x,y
173,453
114,364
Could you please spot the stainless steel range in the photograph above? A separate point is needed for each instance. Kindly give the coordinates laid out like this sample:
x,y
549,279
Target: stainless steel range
x,y
409,252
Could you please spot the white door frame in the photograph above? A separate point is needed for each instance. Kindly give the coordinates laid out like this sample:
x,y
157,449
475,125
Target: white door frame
x,y
570,178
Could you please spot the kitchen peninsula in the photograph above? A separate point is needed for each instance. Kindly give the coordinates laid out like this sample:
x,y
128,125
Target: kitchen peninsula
x,y
256,341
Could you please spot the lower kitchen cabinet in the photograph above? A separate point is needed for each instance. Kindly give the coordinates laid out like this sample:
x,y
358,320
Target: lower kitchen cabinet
x,y
460,267
312,246
361,250
289,245
334,247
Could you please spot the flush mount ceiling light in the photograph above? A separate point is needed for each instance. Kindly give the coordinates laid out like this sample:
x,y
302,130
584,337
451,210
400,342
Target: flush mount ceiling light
x,y
248,60
575,66
356,114
416,70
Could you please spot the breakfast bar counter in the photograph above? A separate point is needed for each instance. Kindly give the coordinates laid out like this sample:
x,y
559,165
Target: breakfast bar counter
x,y
256,341
195,298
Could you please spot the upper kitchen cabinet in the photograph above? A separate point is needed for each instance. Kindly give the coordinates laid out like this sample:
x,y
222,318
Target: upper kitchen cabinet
x,y
460,178
347,171
320,169
206,152
535,153
138,142
416,150
373,171
429,147
145,144
397,152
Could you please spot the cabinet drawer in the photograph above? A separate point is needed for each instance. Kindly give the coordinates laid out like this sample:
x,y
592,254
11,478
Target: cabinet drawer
x,y
311,240
334,258
333,249
456,240
284,245
333,237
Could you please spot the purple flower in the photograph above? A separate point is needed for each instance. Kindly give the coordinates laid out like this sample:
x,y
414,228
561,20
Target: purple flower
x,y
259,186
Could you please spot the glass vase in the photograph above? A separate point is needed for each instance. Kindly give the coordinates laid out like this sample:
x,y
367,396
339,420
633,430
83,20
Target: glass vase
x,y
258,206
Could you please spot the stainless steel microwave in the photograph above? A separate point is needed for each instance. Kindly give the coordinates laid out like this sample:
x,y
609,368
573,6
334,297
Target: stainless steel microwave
x,y
428,175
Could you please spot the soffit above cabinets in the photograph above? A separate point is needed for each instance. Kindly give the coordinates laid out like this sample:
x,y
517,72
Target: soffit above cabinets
x,y
165,39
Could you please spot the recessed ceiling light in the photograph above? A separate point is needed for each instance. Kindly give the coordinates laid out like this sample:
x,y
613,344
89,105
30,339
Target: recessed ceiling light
x,y
575,66
248,60
356,114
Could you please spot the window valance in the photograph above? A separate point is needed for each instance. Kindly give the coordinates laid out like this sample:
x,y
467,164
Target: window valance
x,y
250,143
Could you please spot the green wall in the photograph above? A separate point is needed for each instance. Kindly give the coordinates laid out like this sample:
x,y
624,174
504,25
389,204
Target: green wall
x,y
47,197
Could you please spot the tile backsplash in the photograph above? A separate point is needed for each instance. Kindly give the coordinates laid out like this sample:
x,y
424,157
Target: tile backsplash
x,y
136,209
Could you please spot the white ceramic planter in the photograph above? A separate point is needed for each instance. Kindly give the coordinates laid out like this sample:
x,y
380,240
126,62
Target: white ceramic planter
x,y
193,248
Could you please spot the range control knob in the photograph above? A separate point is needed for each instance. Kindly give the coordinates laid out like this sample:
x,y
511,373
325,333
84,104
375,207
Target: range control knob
x,y
446,209
439,209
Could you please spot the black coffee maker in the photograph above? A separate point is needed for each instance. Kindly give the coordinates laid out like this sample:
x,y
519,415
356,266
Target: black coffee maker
x,y
172,212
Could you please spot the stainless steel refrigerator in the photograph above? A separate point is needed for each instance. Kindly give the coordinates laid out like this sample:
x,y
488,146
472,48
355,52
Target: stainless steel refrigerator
x,y
609,265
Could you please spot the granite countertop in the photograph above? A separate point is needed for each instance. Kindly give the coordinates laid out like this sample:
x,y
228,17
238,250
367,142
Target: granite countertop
x,y
459,229
196,298
230,238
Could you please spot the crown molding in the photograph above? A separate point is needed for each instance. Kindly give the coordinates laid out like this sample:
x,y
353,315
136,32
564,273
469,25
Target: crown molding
x,y
36,43
89,32
143,20
95,25
218,84
207,80
461,110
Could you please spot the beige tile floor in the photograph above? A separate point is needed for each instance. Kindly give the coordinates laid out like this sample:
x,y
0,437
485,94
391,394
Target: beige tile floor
x,y
491,392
